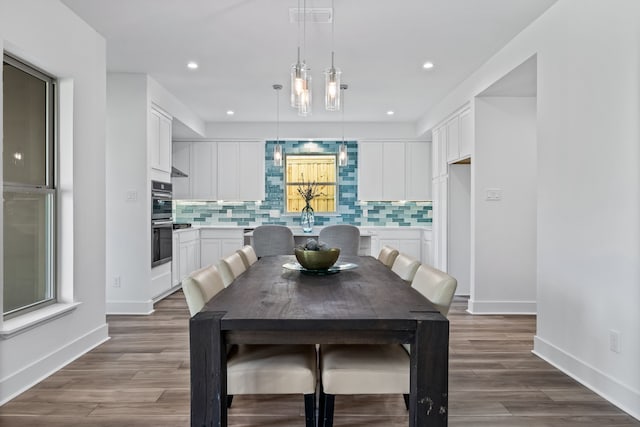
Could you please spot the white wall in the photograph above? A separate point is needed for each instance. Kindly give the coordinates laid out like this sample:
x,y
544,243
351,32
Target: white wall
x,y
504,278
588,233
128,221
31,30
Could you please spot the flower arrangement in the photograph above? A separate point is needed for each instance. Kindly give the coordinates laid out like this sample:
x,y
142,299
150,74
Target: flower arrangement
x,y
308,190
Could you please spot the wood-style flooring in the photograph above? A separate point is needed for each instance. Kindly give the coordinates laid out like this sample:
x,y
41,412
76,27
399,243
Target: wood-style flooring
x,y
140,377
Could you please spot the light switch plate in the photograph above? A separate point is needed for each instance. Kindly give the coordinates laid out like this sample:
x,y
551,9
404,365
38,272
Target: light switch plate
x,y
494,194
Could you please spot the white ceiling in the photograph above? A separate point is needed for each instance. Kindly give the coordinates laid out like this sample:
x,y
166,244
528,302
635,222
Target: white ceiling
x,y
243,47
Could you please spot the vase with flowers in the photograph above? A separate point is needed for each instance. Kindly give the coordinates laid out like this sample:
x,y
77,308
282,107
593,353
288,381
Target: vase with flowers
x,y
308,191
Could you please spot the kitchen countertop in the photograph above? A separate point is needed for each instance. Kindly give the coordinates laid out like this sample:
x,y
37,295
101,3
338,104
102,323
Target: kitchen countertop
x,y
297,231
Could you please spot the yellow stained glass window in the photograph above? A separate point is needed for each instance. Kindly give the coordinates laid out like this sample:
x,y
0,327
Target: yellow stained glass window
x,y
317,171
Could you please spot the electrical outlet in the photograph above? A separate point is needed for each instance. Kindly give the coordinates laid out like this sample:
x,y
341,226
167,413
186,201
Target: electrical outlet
x,y
365,213
116,281
614,341
494,194
274,213
132,195
229,213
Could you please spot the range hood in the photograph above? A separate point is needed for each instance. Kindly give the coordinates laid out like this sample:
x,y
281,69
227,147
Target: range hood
x,y
177,173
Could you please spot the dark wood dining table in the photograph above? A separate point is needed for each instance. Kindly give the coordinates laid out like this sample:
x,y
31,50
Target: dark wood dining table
x,y
370,304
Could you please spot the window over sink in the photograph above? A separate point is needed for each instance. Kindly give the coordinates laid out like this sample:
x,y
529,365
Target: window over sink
x,y
319,169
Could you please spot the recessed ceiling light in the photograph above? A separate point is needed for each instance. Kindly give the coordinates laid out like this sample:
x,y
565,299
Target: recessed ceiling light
x,y
390,113
230,112
192,65
427,65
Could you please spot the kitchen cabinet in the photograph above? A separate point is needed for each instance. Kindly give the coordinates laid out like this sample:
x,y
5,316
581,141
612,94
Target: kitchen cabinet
x,y
188,254
231,171
427,247
240,170
203,174
405,240
159,135
181,159
217,243
459,136
394,171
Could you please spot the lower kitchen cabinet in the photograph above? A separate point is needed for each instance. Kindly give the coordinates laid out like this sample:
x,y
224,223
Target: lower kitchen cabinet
x,y
186,259
405,240
216,243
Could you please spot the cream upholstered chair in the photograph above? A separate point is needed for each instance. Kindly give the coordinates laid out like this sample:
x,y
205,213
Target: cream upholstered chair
x,y
258,369
405,267
343,236
231,267
248,255
377,369
388,255
273,240
200,287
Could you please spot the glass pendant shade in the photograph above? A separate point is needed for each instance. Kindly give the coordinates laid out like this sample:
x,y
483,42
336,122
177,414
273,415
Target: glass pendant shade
x,y
304,109
298,74
277,154
343,157
332,88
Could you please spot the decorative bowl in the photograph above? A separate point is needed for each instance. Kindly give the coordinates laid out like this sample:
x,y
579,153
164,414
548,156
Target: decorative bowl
x,y
317,260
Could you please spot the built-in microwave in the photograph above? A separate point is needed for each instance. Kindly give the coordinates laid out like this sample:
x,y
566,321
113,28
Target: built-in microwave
x,y
161,200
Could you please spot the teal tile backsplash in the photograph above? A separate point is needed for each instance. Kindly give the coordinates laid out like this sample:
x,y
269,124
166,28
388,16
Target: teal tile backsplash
x,y
350,211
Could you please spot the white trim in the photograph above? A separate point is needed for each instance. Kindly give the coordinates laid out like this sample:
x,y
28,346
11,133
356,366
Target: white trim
x,y
167,293
19,324
502,307
621,395
22,380
130,307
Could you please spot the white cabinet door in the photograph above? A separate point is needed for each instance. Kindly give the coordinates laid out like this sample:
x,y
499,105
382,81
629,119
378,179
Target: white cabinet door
x,y
203,176
159,140
228,170
435,153
251,179
182,161
193,256
370,176
440,186
418,174
453,150
153,136
175,260
393,171
210,252
465,137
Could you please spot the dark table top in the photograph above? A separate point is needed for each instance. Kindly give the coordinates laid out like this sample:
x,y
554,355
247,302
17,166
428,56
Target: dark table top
x,y
270,297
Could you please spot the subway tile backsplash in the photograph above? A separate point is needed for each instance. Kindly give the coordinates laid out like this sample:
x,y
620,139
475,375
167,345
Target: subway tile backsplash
x,y
350,211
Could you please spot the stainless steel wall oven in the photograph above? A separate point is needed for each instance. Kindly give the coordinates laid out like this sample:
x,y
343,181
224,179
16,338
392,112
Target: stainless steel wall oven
x,y
161,223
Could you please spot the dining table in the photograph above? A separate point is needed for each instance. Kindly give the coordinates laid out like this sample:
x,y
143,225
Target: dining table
x,y
273,303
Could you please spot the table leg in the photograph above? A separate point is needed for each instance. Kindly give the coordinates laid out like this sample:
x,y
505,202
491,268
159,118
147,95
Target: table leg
x,y
430,372
208,371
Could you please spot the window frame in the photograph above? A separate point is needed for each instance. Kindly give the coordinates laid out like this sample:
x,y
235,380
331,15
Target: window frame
x,y
295,183
49,188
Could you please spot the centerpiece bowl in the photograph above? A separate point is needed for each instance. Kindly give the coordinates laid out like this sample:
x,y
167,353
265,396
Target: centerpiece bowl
x,y
317,260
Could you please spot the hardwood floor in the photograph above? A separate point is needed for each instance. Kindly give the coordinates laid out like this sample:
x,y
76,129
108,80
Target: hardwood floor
x,y
141,378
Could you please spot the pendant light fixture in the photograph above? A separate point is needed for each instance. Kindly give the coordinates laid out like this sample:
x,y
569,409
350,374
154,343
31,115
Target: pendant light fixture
x,y
343,157
300,72
332,75
277,148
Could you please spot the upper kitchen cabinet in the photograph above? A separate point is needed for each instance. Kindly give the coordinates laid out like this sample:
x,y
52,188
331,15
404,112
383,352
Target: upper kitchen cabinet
x,y
394,171
458,134
231,171
159,135
241,170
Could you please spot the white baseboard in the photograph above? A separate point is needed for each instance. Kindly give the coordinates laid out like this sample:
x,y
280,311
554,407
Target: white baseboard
x,y
32,374
167,293
609,388
130,307
501,307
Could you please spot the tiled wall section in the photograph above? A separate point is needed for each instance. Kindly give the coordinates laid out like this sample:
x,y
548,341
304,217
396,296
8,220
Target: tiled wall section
x,y
350,211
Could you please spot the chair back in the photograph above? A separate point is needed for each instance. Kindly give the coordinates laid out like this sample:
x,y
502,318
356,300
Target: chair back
x,y
273,240
388,255
200,287
248,255
437,286
343,236
231,267
405,267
